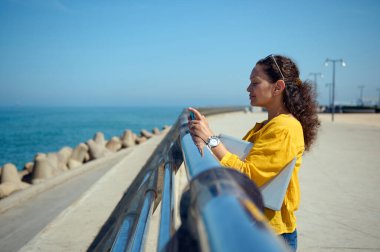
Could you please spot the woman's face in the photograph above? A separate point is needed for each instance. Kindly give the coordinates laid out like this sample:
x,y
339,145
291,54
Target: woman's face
x,y
260,89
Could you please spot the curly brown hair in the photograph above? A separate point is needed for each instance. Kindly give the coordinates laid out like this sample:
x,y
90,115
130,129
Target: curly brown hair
x,y
299,96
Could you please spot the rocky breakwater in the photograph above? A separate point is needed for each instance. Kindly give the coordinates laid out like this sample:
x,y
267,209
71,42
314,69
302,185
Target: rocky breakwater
x,y
49,165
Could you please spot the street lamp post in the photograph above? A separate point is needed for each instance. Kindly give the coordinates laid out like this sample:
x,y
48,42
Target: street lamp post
x,y
361,95
315,80
343,64
329,85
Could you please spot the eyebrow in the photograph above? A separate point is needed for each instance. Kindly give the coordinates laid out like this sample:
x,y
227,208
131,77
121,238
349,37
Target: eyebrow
x,y
253,77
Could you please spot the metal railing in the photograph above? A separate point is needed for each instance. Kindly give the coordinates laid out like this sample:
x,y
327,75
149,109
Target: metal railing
x,y
221,210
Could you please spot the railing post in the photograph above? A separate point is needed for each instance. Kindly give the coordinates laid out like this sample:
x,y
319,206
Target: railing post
x,y
123,234
167,207
138,239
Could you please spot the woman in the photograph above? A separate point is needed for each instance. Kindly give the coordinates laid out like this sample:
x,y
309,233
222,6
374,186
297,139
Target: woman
x,y
290,129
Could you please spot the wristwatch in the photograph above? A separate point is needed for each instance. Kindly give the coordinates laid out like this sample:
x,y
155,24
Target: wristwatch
x,y
213,141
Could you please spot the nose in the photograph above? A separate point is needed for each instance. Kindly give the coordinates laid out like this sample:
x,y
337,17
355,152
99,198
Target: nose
x,y
249,88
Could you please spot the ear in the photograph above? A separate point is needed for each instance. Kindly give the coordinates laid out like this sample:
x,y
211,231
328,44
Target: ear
x,y
279,87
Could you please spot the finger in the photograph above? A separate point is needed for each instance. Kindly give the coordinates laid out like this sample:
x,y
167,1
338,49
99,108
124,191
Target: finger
x,y
189,126
196,113
195,126
192,126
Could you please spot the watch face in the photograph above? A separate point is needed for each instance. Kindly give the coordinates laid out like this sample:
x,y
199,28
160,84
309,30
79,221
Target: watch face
x,y
213,142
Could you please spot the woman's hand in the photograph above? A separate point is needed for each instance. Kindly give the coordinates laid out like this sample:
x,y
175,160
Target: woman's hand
x,y
199,129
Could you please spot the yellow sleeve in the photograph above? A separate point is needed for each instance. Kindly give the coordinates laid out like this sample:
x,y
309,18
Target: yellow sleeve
x,y
270,153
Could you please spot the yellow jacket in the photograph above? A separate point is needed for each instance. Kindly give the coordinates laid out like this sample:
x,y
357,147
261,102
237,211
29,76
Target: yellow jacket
x,y
275,145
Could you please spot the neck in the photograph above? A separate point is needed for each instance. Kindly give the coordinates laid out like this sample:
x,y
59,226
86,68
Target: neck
x,y
276,111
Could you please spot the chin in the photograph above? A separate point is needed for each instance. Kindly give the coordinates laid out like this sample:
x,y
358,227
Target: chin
x,y
256,104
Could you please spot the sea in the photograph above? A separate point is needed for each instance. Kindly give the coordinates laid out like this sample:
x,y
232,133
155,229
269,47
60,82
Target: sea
x,y
26,131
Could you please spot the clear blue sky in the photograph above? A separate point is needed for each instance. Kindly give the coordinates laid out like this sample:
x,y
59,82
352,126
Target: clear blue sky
x,y
122,53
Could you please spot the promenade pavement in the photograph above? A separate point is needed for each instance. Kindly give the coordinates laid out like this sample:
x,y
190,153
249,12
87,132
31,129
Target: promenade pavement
x,y
339,179
340,208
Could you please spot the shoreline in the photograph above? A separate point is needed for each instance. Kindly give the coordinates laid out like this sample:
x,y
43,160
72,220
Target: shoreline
x,y
53,168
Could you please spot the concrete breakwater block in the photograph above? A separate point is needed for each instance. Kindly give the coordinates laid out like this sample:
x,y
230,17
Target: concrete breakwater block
x,y
56,166
114,144
64,155
42,168
128,139
156,131
72,164
79,153
10,180
146,134
95,150
86,157
79,156
29,167
10,174
97,146
99,138
49,165
140,140
27,172
23,173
